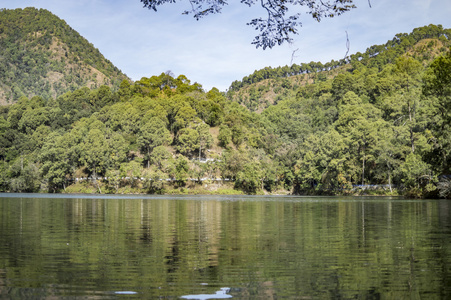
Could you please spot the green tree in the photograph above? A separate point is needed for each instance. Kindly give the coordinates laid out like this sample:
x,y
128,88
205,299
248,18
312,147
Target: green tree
x,y
118,148
407,74
122,116
231,163
24,176
33,118
205,140
101,97
113,179
39,137
249,178
225,136
159,157
154,180
187,141
437,82
124,91
5,176
362,125
4,142
416,175
324,164
56,161
17,110
181,170
437,85
95,153
308,170
153,134
131,171
185,116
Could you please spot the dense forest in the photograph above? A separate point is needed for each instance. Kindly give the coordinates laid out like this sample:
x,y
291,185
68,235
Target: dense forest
x,y
42,55
269,85
377,122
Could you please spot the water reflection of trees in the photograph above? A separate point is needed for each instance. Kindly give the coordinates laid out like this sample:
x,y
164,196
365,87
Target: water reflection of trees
x,y
267,249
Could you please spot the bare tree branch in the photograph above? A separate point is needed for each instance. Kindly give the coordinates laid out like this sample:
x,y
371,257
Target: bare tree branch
x,y
292,56
347,44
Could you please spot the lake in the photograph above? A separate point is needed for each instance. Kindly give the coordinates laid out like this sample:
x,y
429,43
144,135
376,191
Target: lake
x,y
214,247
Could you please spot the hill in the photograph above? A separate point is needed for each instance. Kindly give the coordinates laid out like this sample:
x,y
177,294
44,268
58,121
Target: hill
x,y
378,119
269,85
42,55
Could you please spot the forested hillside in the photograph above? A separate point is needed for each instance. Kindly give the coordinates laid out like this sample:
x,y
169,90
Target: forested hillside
x,y
267,86
41,55
381,120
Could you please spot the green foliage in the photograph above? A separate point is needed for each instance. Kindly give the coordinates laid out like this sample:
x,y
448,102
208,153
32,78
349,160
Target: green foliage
x,y
38,47
205,140
437,86
4,177
113,180
131,171
161,158
153,134
24,176
248,178
56,161
187,141
181,170
375,58
382,124
415,173
154,181
225,136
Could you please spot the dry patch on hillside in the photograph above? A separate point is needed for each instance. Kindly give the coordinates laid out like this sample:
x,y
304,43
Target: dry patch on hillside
x,y
427,49
3,100
260,95
215,151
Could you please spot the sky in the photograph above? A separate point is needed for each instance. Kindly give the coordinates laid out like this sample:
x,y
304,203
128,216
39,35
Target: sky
x,y
217,50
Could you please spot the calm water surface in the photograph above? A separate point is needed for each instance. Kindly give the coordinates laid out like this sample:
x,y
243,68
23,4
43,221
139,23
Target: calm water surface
x,y
209,247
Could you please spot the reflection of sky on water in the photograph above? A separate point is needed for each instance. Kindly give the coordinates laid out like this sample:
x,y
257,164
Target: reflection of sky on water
x,y
221,294
125,293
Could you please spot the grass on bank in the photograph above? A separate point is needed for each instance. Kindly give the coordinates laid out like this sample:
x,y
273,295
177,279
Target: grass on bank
x,y
205,188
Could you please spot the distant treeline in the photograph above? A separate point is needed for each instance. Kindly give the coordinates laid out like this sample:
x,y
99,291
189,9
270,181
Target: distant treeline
x,y
375,56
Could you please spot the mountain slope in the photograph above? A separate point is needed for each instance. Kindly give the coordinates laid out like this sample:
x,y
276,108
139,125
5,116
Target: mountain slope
x,y
269,85
41,55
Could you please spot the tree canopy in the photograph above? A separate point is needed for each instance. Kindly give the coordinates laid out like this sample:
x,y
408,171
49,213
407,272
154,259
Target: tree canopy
x,y
380,119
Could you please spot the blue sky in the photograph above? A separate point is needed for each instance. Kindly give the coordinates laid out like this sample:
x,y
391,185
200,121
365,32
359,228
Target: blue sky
x,y
217,50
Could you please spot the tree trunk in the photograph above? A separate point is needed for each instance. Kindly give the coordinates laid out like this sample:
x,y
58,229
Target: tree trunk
x,y
96,184
412,140
148,158
389,182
